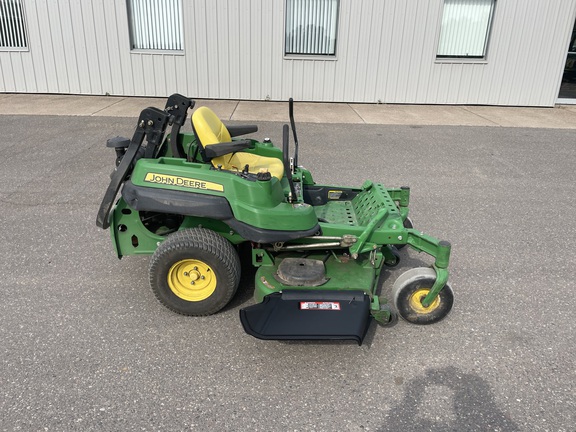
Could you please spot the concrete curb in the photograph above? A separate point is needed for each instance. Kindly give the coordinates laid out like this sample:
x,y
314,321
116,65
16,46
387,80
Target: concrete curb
x,y
559,117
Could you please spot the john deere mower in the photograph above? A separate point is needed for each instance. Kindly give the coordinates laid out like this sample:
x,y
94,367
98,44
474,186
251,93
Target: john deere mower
x,y
193,200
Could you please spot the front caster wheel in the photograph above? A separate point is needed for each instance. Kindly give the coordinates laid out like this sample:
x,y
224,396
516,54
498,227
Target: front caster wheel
x,y
411,288
195,272
391,256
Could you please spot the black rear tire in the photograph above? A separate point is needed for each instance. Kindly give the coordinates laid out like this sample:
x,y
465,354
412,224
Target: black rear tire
x,y
195,272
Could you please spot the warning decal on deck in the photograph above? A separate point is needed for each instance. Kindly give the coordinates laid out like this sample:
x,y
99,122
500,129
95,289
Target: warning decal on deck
x,y
320,305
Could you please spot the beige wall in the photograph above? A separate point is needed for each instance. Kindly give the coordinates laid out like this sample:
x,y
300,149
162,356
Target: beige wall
x,y
233,49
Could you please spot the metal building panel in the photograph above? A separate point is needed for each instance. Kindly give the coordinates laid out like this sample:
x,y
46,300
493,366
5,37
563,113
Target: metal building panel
x,y
68,44
169,70
265,32
18,70
245,50
254,35
381,50
395,49
420,54
555,63
182,76
220,60
202,30
350,47
138,77
48,67
275,20
28,72
407,69
210,54
189,59
91,43
317,81
234,49
510,51
6,76
160,77
122,40
36,73
340,78
60,55
101,51
76,32
232,64
113,47
369,72
147,65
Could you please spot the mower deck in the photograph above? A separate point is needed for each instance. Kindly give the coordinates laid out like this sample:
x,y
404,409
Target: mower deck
x,y
340,271
321,296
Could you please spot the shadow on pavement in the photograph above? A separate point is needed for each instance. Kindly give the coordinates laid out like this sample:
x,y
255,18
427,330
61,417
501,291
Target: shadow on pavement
x,y
447,399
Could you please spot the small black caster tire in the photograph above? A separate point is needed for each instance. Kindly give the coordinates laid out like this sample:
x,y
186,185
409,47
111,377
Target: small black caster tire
x,y
410,289
195,272
395,259
385,317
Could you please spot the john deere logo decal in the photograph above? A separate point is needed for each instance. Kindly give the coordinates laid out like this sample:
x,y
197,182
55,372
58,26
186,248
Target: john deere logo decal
x,y
182,182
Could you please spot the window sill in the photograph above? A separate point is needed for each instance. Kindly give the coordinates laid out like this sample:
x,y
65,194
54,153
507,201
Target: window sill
x,y
14,49
157,52
460,60
310,57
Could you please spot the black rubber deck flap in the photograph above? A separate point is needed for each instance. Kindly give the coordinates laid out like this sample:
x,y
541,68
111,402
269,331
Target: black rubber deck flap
x,y
309,315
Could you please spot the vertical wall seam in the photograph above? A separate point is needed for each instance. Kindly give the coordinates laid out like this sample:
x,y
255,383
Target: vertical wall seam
x,y
75,49
118,47
422,56
97,53
110,90
64,53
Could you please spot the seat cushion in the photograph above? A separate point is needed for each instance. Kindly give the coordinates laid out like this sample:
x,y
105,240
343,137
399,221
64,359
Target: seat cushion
x,y
237,162
211,130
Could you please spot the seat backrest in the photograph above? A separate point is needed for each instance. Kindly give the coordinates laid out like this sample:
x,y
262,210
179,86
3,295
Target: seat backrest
x,y
209,129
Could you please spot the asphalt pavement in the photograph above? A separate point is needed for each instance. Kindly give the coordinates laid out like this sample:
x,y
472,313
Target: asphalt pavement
x,y
86,346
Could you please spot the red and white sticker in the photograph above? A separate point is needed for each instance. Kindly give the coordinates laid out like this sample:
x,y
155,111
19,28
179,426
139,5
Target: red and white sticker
x,y
320,306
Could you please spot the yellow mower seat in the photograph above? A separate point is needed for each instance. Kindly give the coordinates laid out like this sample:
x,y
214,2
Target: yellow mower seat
x,y
210,130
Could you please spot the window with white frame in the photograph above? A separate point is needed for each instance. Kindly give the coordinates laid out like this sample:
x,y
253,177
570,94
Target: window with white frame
x,y
12,25
155,25
311,27
465,28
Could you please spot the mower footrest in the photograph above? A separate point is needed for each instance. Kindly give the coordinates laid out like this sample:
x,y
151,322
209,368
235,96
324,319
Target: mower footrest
x,y
309,315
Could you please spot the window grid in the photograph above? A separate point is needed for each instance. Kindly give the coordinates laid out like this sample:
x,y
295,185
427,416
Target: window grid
x,y
12,25
311,27
155,25
465,28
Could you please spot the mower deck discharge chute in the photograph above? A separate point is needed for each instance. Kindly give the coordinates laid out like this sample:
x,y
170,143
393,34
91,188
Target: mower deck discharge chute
x,y
192,199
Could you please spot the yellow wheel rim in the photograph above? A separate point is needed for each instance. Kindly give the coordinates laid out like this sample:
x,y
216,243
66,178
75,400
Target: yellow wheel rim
x,y
192,280
416,302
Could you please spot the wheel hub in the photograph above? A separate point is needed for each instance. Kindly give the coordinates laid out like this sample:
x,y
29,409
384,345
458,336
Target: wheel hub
x,y
194,276
416,302
192,280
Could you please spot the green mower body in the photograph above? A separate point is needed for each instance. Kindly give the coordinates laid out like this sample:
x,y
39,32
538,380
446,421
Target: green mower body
x,y
318,249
